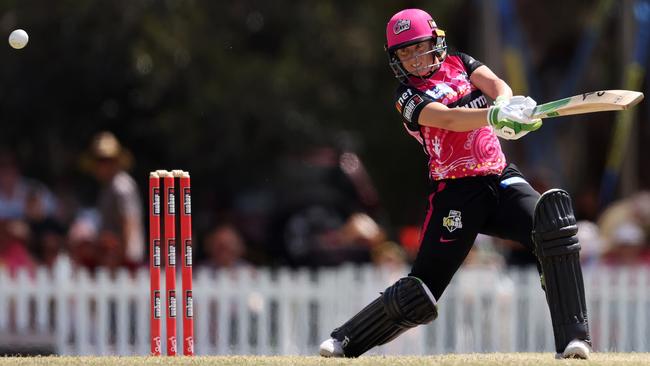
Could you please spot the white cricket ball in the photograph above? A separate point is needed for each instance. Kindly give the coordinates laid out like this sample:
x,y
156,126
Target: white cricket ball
x,y
18,39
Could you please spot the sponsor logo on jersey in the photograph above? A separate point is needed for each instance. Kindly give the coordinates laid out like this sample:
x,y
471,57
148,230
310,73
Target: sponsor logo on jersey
x,y
453,221
480,102
402,98
415,101
401,25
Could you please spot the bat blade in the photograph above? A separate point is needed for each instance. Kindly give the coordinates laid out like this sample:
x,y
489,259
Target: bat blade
x,y
598,101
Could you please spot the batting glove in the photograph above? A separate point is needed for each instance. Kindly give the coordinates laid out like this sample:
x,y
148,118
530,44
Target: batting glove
x,y
511,119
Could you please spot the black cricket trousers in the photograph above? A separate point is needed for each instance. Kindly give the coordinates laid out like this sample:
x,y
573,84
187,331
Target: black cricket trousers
x,y
459,209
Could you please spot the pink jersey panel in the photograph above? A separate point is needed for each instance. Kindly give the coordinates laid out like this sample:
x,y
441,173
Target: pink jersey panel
x,y
458,154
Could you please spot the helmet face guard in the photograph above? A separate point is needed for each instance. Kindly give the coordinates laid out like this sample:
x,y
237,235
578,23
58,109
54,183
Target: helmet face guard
x,y
437,51
409,27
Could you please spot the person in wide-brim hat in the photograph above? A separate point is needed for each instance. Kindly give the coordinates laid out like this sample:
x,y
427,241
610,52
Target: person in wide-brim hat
x,y
121,231
105,156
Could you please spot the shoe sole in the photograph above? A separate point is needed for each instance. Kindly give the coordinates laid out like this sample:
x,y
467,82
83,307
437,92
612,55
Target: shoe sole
x,y
328,354
576,352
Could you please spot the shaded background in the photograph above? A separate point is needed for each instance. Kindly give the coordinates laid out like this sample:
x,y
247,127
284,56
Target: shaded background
x,y
229,90
283,113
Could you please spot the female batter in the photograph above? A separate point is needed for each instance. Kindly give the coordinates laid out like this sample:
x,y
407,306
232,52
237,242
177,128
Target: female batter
x,y
443,103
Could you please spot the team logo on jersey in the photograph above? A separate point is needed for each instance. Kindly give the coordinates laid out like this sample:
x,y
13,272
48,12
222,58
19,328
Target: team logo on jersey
x,y
453,221
415,101
401,26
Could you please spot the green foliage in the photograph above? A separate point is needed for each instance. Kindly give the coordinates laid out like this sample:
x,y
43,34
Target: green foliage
x,y
221,88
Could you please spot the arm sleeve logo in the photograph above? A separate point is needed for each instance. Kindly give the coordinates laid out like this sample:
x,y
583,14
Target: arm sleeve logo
x,y
412,103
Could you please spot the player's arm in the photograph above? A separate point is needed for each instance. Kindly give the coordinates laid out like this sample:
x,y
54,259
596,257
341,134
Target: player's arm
x,y
507,119
454,119
418,109
467,119
434,114
490,84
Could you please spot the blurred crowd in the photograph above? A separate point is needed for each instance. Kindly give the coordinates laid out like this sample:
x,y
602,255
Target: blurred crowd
x,y
325,212
37,226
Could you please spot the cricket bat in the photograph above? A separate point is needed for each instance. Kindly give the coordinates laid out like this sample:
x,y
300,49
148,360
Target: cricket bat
x,y
598,101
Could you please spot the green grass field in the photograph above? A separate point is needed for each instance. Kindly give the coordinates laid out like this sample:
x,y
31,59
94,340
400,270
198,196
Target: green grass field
x,y
494,359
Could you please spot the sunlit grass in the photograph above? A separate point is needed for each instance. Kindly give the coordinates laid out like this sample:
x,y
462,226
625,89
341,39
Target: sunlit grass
x,y
495,359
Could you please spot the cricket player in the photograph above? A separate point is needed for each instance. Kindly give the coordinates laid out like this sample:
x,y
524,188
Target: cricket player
x,y
443,103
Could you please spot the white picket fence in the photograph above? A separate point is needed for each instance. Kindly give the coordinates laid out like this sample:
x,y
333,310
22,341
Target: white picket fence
x,y
258,311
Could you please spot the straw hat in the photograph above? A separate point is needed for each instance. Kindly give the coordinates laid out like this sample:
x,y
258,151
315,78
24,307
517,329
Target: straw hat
x,y
105,146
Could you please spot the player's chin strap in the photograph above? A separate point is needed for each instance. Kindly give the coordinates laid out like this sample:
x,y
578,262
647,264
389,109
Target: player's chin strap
x,y
558,251
404,305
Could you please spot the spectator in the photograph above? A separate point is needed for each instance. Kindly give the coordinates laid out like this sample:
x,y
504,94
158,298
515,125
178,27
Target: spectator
x,y
390,257
47,241
625,228
47,234
13,249
16,191
81,241
409,238
24,203
591,242
514,254
634,209
627,246
484,254
224,248
325,199
121,230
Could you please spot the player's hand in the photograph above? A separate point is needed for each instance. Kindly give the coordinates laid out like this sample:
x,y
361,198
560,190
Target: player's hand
x,y
525,104
510,118
501,100
517,109
511,130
